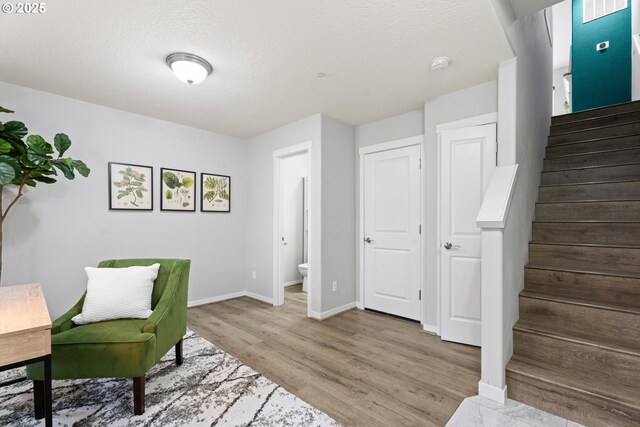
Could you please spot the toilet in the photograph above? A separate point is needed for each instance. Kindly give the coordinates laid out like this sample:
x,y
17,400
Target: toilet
x,y
304,270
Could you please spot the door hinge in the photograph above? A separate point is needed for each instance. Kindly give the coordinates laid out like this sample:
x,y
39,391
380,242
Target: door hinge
x,y
419,228
420,163
420,295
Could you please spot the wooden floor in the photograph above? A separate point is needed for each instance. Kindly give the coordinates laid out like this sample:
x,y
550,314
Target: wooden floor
x,y
361,368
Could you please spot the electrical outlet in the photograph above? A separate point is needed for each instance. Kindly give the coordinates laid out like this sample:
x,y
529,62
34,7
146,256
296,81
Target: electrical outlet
x,y
253,275
334,286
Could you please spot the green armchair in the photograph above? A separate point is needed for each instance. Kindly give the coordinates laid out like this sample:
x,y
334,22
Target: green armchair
x,y
121,348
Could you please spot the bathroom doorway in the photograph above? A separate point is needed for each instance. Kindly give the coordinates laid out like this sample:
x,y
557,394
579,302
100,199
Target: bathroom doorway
x,y
291,225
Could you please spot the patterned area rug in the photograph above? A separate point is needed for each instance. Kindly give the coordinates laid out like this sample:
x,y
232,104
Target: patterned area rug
x,y
211,388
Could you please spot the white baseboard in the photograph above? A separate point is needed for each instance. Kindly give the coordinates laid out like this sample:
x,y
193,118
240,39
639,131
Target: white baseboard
x,y
292,283
359,305
492,392
258,297
431,329
198,302
332,312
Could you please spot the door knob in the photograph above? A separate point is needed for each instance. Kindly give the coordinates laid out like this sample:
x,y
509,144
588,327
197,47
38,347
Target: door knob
x,y
448,246
368,240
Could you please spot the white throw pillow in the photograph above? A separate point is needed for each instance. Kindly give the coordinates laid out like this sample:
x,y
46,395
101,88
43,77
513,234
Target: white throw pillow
x,y
117,293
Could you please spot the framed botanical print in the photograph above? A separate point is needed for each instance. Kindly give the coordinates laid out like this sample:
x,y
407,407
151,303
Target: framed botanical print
x,y
177,190
130,187
215,193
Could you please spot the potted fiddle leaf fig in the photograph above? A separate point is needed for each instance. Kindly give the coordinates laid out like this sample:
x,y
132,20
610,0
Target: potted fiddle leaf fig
x,y
29,160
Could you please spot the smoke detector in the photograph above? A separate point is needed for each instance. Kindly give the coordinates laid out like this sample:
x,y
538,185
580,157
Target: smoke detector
x,y
439,63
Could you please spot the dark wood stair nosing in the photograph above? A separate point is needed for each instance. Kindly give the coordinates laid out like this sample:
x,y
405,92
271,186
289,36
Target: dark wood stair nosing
x,y
550,379
586,120
582,141
575,301
591,153
573,115
591,341
595,128
551,202
592,183
581,244
611,165
582,271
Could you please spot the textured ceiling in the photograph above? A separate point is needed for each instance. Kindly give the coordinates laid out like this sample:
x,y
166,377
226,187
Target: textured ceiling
x,y
265,54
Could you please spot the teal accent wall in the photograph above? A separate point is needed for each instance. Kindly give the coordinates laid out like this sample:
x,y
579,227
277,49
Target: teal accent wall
x,y
601,78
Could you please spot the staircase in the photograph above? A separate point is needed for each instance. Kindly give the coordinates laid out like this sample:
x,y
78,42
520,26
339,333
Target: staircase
x,y
577,342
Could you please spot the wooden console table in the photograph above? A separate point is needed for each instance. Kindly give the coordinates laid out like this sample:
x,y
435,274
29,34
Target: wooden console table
x,y
25,338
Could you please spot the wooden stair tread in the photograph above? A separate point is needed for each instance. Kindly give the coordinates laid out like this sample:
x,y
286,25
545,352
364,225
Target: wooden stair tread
x,y
583,302
601,138
625,107
570,336
576,184
591,245
608,126
599,272
592,120
611,165
590,153
613,392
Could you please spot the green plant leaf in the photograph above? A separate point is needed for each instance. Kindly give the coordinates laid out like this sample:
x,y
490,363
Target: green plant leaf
x,y
171,180
81,167
7,173
12,162
39,145
209,196
5,110
187,182
5,146
36,159
139,194
62,166
168,195
14,131
62,143
45,179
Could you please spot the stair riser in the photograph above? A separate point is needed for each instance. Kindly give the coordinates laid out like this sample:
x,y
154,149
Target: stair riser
x,y
597,133
581,176
607,111
593,146
590,233
593,287
598,211
587,192
620,327
569,403
612,158
582,359
616,119
624,260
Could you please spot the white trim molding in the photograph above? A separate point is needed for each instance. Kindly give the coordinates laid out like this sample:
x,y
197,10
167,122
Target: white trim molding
x,y
333,312
432,329
226,297
491,392
391,145
484,119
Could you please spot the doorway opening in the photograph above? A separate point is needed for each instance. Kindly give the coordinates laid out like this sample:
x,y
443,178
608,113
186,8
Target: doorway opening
x,y
292,197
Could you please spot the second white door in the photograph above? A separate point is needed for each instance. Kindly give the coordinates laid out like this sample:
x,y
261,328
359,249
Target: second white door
x,y
392,206
467,160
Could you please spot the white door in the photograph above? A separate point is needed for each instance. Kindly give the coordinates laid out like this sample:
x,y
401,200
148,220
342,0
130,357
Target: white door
x,y
392,232
467,160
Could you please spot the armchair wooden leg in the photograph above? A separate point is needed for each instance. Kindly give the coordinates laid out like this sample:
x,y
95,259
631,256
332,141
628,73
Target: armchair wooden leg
x,y
179,352
138,395
38,399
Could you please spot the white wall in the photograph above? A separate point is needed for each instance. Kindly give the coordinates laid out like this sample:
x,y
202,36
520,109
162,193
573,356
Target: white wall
x,y
259,221
470,102
528,36
559,96
292,170
56,230
338,214
388,129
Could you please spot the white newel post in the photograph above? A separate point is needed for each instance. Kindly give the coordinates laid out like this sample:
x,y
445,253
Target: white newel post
x,y
492,219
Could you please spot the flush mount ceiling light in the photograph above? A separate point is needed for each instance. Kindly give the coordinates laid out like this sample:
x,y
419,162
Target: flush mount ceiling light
x,y
189,68
439,63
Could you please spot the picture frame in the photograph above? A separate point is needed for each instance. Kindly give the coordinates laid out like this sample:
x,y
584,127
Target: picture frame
x,y
177,190
215,192
130,187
